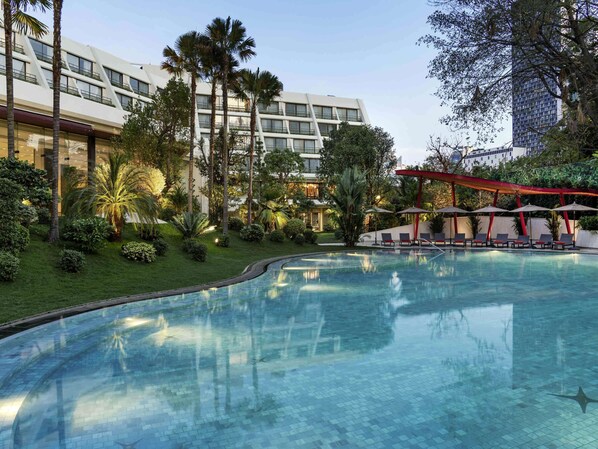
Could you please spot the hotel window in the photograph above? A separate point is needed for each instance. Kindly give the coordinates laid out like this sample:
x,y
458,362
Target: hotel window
x,y
348,115
311,165
116,78
275,143
324,112
326,128
204,120
304,146
272,108
125,101
42,51
296,110
272,126
203,102
300,127
140,87
18,67
90,91
312,191
81,65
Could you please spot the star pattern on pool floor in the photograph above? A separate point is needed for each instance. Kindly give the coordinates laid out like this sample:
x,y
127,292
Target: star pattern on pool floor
x,y
582,399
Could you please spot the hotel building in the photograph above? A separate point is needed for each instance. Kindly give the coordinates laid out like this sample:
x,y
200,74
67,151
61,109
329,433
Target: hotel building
x,y
98,87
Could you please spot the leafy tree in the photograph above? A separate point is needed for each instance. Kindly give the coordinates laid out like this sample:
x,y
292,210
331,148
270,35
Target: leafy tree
x,y
186,57
256,88
33,181
483,45
370,149
155,134
445,154
348,197
230,41
284,165
15,17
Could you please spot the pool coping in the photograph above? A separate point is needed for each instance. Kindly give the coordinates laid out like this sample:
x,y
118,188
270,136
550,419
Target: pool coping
x,y
251,271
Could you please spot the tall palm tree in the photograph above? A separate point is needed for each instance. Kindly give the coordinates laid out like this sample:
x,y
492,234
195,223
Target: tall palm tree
x,y
255,87
56,66
15,17
232,44
349,198
186,57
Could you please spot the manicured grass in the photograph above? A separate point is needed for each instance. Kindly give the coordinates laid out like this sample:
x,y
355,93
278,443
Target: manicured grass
x,y
327,237
41,286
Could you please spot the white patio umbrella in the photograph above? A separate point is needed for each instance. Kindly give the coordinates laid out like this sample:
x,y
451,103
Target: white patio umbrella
x,y
530,208
488,210
451,210
574,207
377,210
413,211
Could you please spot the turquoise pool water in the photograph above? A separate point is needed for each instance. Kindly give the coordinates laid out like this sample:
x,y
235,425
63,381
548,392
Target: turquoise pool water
x,y
379,350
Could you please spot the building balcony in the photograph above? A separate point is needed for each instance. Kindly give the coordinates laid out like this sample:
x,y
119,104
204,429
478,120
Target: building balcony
x,y
84,72
325,116
297,114
43,57
303,132
275,129
20,75
263,111
142,93
307,150
16,47
239,126
278,148
350,119
204,105
121,85
67,89
97,98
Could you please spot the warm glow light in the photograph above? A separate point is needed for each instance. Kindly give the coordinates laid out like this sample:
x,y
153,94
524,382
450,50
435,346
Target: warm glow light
x,y
216,241
134,321
281,284
9,407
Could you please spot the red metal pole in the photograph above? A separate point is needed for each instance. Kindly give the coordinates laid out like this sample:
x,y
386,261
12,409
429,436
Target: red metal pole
x,y
491,217
419,201
454,205
565,213
521,216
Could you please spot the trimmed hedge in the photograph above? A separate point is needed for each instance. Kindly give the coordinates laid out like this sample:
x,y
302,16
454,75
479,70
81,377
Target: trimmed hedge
x,y
253,233
89,234
71,261
223,241
589,223
139,252
294,227
160,246
277,236
235,224
197,250
310,236
9,266
299,239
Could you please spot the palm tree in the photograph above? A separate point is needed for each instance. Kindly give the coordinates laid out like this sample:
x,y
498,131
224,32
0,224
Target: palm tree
x,y
349,197
56,75
230,40
186,57
14,16
273,215
255,87
117,190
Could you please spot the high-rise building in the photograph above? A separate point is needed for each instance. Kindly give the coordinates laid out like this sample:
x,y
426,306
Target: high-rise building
x,y
98,87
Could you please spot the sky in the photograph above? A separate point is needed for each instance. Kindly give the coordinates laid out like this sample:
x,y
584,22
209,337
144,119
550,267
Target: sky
x,y
348,48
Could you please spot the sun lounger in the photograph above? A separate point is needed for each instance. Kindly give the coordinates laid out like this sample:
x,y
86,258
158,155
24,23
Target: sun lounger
x,y
564,241
480,240
501,240
424,239
439,239
545,241
459,240
387,239
521,241
404,239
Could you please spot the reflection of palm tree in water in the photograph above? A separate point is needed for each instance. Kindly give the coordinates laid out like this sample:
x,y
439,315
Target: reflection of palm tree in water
x,y
117,353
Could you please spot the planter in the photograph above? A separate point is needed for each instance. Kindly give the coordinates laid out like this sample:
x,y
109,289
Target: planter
x,y
587,239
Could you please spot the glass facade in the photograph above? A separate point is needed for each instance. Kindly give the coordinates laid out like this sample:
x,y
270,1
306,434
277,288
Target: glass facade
x,y
275,143
324,112
304,146
125,100
348,115
42,51
273,126
296,110
326,128
311,165
300,128
140,87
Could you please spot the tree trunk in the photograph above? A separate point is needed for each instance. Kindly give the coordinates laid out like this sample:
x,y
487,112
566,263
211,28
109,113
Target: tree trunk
x,y
56,65
212,145
225,147
192,143
251,150
10,97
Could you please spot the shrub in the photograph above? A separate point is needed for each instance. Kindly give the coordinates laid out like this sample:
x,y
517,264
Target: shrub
x,y
89,234
253,233
191,224
436,223
235,224
277,236
329,227
149,233
197,250
167,213
299,239
71,261
223,241
589,223
43,215
27,215
23,238
32,181
294,227
139,252
310,236
9,266
160,246
338,234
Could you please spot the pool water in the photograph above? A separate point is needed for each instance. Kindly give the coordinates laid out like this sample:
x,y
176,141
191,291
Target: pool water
x,y
354,350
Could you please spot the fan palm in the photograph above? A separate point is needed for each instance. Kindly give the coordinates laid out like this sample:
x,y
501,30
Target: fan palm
x,y
15,17
118,190
255,87
186,57
273,215
349,197
229,38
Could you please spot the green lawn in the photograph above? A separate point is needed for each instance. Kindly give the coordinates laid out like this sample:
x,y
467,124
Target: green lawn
x,y
42,287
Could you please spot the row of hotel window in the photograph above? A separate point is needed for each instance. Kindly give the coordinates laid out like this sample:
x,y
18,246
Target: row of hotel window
x,y
271,125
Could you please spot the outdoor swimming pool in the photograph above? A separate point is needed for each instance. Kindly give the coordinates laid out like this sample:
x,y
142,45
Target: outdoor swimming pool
x,y
375,350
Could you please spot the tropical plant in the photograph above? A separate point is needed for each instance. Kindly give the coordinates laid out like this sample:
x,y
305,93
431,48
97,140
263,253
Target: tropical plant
x,y
71,261
348,198
36,190
10,203
229,40
89,234
15,17
186,57
72,179
589,223
273,215
517,227
256,88
191,224
139,252
118,190
474,224
553,223
177,198
436,223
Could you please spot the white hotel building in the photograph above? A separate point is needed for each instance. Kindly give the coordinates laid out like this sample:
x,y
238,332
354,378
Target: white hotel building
x,y
98,86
